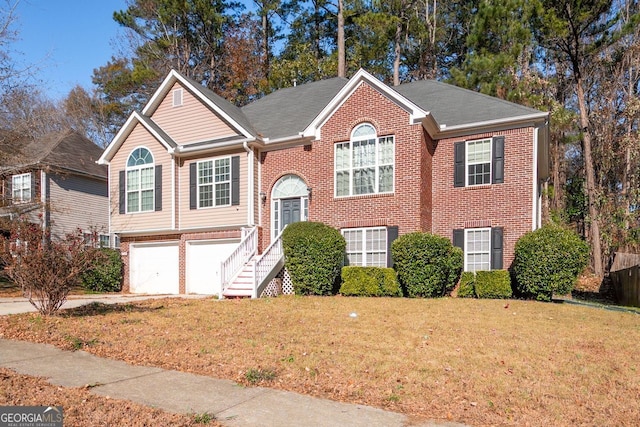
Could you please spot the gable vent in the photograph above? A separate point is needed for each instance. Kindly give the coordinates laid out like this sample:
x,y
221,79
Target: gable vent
x,y
177,97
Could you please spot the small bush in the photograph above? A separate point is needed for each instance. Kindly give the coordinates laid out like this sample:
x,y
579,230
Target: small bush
x,y
466,288
493,284
105,274
427,265
314,253
548,261
369,282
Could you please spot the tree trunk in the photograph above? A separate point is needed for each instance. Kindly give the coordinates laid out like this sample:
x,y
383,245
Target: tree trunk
x,y
590,179
265,44
396,54
342,66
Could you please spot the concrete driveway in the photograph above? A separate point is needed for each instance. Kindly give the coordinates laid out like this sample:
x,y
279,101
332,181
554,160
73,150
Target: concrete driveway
x,y
22,305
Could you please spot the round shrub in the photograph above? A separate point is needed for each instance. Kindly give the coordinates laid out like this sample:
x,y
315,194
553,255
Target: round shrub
x,y
427,265
105,274
547,261
313,253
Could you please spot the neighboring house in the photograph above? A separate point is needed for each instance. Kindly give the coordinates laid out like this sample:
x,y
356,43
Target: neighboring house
x,y
55,180
191,176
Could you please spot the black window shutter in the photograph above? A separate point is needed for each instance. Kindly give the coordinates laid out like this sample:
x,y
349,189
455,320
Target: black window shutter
x,y
458,238
193,185
496,248
158,188
122,191
392,234
459,170
498,160
235,180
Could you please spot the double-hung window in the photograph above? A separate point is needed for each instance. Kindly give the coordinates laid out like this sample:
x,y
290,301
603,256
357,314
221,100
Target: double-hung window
x,y
482,247
479,162
366,247
365,164
140,181
214,182
21,188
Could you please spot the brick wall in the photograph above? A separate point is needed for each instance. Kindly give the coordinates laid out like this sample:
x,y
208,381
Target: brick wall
x,y
408,207
508,205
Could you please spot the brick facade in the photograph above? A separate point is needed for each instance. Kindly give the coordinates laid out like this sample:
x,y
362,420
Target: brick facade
x,y
408,207
508,205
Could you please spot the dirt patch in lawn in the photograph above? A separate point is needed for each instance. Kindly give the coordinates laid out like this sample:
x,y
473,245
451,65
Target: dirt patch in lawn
x,y
481,362
80,408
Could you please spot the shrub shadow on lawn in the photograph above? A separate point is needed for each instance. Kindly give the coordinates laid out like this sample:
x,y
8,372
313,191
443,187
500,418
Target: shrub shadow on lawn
x,y
99,309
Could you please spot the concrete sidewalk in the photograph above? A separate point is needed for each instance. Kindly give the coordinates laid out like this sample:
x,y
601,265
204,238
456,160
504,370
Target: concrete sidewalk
x,y
180,392
15,305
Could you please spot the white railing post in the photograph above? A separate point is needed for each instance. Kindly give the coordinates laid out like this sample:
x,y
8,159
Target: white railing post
x,y
239,257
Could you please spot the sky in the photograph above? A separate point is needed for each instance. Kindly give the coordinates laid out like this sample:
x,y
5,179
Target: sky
x,y
65,40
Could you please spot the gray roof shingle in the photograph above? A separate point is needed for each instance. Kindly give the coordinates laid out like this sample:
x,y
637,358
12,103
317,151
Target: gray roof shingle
x,y
452,106
286,112
66,150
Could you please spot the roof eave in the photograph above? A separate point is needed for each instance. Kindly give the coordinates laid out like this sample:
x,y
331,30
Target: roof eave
x,y
186,150
444,131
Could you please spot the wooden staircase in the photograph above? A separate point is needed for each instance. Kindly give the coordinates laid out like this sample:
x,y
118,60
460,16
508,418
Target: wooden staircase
x,y
243,284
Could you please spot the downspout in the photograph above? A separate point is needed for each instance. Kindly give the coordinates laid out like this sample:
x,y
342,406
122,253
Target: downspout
x,y
250,179
44,199
536,185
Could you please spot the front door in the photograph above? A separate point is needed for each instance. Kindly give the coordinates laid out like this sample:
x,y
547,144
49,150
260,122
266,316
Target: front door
x,y
290,211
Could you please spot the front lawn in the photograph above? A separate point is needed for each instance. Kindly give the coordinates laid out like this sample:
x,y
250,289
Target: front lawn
x,y
479,362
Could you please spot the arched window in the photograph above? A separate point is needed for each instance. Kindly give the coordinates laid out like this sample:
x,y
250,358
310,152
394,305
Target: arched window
x,y
289,201
140,181
365,164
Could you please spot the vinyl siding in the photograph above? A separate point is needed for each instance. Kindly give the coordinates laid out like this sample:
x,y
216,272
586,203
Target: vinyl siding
x,y
77,202
160,220
212,216
190,122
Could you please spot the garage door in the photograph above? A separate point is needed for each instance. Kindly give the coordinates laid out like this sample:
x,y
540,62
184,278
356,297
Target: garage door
x,y
203,265
154,268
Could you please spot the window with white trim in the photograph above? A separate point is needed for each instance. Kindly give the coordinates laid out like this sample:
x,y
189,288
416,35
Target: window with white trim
x,y
365,164
366,247
214,182
477,254
105,241
479,162
140,181
21,188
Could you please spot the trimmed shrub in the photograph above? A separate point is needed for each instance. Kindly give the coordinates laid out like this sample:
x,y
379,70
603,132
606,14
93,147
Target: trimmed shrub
x,y
493,284
369,282
466,288
105,274
427,265
314,253
547,261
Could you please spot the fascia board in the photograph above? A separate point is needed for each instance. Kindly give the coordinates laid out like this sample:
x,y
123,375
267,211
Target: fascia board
x,y
415,112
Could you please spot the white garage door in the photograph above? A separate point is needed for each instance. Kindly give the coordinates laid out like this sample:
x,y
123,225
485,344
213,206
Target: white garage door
x,y
154,268
203,265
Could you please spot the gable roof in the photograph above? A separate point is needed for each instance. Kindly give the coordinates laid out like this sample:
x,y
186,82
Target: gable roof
x,y
287,112
66,150
226,110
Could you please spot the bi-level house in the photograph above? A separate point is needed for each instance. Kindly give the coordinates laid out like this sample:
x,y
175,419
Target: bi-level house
x,y
54,180
201,190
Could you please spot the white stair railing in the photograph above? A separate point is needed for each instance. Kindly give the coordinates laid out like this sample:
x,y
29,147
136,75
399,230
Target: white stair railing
x,y
265,265
247,248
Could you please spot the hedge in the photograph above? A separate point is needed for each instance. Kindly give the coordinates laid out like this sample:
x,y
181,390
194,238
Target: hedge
x,y
427,265
370,282
466,288
547,261
493,284
314,253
